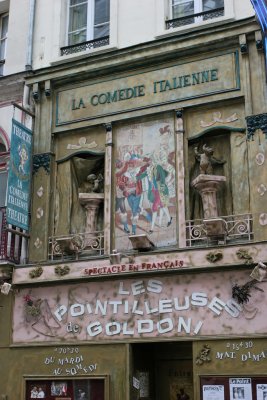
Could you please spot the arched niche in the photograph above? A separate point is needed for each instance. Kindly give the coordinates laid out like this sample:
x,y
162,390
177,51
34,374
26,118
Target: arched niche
x,y
219,138
72,172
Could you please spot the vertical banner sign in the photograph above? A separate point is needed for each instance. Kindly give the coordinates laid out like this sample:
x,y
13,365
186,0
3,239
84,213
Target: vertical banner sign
x,y
19,176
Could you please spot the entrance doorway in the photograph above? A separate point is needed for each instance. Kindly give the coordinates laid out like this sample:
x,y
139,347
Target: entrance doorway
x,y
162,371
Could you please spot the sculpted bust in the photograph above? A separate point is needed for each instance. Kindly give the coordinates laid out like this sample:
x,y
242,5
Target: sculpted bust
x,y
206,160
93,184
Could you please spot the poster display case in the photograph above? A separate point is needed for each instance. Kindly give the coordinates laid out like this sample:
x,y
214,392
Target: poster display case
x,y
93,388
232,387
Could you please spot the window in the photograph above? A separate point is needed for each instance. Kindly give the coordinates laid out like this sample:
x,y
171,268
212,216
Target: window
x,y
88,20
3,39
185,12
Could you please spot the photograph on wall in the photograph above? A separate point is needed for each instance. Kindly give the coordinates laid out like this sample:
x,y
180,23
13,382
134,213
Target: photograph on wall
x,y
261,390
145,186
59,388
240,388
213,392
82,390
38,391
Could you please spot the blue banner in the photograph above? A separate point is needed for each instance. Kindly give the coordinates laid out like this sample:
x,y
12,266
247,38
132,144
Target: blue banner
x,y
260,7
19,176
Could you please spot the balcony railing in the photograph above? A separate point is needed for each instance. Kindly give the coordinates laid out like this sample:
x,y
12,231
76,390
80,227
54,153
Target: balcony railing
x,y
91,44
193,18
76,246
236,229
13,241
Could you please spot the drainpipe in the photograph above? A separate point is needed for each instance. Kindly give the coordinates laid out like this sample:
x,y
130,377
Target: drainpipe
x,y
28,65
29,51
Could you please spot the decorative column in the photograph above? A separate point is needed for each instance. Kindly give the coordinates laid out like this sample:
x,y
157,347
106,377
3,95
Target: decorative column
x,y
108,189
91,203
207,186
180,172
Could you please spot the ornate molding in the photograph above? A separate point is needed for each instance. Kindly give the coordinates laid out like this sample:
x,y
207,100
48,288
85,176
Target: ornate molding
x,y
217,118
203,355
255,122
41,160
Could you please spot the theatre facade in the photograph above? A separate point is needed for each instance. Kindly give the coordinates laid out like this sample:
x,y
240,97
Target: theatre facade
x,y
147,262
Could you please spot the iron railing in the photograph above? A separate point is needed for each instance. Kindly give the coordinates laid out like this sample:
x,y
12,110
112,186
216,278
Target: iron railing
x,y
13,241
193,18
237,229
91,44
76,245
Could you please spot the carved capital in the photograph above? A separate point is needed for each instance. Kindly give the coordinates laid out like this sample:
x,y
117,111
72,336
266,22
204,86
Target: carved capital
x,y
108,127
255,122
179,121
179,113
41,160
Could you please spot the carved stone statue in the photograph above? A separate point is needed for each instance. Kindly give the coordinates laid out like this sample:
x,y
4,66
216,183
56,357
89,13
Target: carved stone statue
x,y
206,160
93,184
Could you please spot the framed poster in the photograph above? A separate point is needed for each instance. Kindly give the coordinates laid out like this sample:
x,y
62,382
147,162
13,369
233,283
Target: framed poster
x,y
213,392
240,388
261,391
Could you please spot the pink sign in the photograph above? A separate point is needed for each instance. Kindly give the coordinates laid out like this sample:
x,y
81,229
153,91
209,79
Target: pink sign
x,y
154,307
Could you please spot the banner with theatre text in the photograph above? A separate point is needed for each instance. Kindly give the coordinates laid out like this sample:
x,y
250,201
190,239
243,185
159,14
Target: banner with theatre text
x,y
19,176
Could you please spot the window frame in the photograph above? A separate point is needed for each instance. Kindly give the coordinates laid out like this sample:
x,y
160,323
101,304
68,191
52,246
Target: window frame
x,y
198,8
167,26
90,27
3,40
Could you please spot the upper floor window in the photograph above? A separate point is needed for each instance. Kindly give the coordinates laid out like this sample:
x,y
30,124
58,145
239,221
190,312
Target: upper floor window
x,y
3,39
88,22
185,12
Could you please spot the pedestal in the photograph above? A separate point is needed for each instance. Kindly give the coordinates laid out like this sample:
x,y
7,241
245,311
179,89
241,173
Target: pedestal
x,y
207,186
91,203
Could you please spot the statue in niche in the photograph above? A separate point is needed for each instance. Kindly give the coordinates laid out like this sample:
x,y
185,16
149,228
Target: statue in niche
x,y
206,160
93,184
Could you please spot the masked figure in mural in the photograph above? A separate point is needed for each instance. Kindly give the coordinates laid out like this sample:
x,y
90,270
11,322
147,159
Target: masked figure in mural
x,y
133,189
159,194
130,192
166,163
121,168
144,186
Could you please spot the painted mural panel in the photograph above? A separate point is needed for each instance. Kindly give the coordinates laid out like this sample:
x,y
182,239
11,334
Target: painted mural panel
x,y
154,307
145,182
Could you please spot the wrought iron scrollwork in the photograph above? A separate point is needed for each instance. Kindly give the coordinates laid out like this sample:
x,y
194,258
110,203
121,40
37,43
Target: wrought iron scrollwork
x,y
91,44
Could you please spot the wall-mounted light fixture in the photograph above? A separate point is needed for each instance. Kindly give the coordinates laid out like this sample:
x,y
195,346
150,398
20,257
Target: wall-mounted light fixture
x,y
141,242
5,288
115,257
259,272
